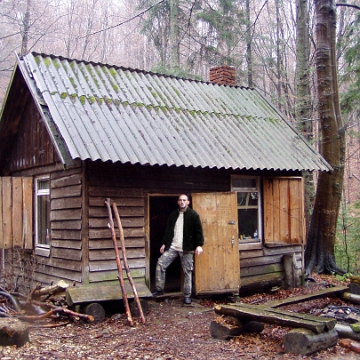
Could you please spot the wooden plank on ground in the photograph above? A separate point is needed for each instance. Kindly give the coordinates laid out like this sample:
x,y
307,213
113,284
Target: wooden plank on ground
x,y
315,295
329,322
104,292
284,318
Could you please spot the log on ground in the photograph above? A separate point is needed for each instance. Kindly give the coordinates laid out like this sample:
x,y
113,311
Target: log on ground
x,y
305,342
354,288
226,327
353,298
345,331
96,311
13,332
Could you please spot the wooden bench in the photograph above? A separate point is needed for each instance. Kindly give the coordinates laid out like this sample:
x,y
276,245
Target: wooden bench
x,y
310,334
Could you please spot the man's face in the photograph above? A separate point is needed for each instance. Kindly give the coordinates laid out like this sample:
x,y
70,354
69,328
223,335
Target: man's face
x,y
183,202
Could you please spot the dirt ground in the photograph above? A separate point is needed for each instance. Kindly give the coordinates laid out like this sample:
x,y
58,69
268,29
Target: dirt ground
x,y
172,331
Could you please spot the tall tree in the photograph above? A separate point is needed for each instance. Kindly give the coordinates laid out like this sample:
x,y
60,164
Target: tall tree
x,y
249,55
303,105
174,34
320,247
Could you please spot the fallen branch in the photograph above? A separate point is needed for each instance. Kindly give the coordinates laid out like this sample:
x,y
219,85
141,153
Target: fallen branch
x,y
55,311
49,326
12,299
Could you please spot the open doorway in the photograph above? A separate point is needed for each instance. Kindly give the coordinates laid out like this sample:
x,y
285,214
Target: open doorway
x,y
160,209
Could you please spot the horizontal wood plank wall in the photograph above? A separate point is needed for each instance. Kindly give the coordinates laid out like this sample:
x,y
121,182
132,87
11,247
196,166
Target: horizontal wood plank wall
x,y
130,205
65,261
65,258
266,263
16,206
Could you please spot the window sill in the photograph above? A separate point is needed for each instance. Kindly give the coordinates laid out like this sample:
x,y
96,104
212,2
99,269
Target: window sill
x,y
42,251
255,245
280,244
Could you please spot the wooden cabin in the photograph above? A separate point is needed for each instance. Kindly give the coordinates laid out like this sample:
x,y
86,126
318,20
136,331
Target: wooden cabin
x,y
74,133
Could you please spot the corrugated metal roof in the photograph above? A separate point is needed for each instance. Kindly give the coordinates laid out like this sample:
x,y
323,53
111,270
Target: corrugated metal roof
x,y
118,114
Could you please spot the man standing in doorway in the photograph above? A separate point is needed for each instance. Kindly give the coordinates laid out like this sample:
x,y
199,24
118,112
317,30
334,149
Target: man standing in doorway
x,y
183,237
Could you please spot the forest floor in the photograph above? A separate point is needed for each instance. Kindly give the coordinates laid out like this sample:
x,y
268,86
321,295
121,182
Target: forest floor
x,y
174,331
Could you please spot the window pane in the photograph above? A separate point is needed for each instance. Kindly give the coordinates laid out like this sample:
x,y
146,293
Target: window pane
x,y
43,185
241,196
243,183
253,199
248,223
43,219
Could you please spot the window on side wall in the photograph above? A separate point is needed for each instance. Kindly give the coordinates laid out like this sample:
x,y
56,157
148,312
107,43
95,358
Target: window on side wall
x,y
248,206
42,213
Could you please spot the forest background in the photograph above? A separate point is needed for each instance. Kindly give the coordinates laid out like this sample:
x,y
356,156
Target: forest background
x,y
186,38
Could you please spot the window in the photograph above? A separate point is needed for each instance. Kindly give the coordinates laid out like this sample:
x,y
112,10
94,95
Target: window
x,y
248,205
42,212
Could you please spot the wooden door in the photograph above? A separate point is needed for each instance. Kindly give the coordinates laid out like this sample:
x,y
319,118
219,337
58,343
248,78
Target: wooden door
x,y
217,270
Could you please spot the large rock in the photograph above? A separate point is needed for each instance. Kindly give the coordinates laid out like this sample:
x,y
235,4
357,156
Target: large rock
x,y
13,332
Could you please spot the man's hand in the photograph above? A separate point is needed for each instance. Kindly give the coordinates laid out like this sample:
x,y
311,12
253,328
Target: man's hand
x,y
162,249
199,250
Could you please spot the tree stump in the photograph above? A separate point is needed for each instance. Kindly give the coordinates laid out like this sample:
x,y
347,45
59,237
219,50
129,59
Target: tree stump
x,y
291,271
13,332
305,342
95,310
227,327
144,305
354,288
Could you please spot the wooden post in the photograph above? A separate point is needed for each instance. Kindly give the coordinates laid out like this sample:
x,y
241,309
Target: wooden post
x,y
118,262
126,265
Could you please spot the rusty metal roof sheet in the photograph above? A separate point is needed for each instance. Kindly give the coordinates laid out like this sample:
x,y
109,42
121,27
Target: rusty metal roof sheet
x,y
111,113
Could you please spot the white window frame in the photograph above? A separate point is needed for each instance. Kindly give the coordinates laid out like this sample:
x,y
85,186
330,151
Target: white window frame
x,y
40,249
259,205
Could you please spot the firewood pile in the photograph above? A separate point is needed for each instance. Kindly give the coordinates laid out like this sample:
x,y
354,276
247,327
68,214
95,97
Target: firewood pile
x,y
41,305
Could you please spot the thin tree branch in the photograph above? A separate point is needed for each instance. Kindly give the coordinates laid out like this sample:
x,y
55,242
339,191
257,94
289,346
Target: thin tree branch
x,y
125,21
348,5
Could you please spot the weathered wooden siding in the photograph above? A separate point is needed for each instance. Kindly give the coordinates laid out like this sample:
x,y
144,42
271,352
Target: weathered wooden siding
x,y
284,219
265,264
66,217
130,204
16,207
65,258
32,146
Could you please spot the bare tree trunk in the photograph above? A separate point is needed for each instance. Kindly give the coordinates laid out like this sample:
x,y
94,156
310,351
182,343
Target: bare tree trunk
x,y
174,34
319,252
278,56
26,29
249,57
303,108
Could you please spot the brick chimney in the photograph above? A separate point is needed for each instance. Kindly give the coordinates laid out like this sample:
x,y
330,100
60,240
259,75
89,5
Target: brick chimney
x,y
223,75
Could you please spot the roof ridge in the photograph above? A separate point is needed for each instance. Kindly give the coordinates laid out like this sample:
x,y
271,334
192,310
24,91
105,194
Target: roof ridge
x,y
126,68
